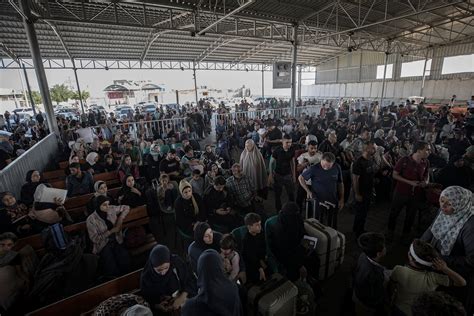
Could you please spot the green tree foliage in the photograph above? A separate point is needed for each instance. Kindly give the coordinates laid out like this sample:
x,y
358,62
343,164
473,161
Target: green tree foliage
x,y
84,94
36,97
61,93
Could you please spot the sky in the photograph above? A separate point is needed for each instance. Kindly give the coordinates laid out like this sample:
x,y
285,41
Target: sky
x,y
95,81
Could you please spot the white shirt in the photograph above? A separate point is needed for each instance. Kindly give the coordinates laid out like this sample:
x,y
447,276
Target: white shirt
x,y
311,159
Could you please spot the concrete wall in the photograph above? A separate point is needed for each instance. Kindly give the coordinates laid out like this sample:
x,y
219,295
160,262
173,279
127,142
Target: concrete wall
x,y
434,89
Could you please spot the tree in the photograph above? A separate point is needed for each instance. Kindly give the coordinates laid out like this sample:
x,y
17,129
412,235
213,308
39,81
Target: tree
x,y
61,93
84,94
36,97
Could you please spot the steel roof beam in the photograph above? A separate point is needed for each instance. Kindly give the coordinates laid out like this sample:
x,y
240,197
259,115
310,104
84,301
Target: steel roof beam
x,y
61,40
9,53
395,18
233,12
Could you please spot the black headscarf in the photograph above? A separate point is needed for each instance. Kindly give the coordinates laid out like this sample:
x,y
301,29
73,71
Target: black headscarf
x,y
98,202
216,292
199,232
152,284
29,188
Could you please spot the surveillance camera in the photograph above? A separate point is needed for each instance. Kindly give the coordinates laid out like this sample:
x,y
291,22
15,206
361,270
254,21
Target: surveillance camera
x,y
106,68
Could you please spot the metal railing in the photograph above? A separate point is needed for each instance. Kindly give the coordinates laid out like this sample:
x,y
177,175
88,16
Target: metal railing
x,y
12,177
135,129
232,117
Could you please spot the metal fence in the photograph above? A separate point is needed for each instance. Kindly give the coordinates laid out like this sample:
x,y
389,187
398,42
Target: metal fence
x,y
148,129
232,117
12,177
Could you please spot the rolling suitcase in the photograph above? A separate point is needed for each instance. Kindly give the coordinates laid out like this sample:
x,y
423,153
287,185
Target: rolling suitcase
x,y
275,297
330,246
319,210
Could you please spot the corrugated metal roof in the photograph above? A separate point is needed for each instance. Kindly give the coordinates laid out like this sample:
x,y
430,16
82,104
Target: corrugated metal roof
x,y
164,30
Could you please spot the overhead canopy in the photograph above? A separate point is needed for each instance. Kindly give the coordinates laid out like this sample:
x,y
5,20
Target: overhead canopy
x,y
234,32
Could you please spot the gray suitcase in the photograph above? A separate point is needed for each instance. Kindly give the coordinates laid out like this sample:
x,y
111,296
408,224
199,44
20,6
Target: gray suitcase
x,y
330,247
275,297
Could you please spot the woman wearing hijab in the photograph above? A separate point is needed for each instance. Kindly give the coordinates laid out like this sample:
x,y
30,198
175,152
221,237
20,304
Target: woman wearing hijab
x,y
452,234
204,238
286,240
211,175
100,189
129,194
104,227
153,160
253,166
46,214
189,208
166,281
126,167
218,296
33,179
92,164
14,216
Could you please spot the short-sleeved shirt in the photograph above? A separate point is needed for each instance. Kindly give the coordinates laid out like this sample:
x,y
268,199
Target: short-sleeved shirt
x,y
411,283
365,169
324,182
311,159
410,170
168,166
283,160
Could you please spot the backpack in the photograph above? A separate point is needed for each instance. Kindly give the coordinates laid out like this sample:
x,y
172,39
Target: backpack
x,y
55,238
305,301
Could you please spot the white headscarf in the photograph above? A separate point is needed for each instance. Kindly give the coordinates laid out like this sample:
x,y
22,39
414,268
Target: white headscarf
x,y
446,228
253,165
91,158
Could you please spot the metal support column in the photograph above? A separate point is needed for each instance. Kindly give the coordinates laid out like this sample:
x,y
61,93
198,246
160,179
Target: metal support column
x,y
28,22
299,83
30,95
384,76
195,83
293,68
78,87
263,83
424,73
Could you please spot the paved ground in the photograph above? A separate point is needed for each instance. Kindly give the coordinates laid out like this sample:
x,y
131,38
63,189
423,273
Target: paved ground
x,y
335,287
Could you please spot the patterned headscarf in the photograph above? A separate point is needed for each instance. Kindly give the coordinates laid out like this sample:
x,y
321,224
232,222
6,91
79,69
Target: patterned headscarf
x,y
446,228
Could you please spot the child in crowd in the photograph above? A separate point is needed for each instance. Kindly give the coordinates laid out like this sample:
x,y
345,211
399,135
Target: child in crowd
x,y
369,276
421,275
197,182
230,256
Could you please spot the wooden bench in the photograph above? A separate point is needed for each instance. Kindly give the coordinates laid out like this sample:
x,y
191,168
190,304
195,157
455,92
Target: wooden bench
x,y
82,200
85,302
54,175
111,178
138,216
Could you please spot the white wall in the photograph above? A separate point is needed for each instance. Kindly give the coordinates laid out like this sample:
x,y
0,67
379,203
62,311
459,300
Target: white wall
x,y
434,89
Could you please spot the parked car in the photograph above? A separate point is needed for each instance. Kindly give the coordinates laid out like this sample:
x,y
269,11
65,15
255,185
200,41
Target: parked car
x,y
68,113
148,108
24,118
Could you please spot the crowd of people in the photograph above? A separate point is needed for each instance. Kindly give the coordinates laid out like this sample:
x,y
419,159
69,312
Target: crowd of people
x,y
345,158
